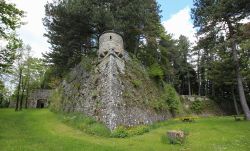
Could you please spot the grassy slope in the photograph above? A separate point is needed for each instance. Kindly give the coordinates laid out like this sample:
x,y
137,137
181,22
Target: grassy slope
x,y
41,130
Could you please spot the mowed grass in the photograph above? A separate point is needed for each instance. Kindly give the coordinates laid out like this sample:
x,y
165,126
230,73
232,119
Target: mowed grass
x,y
41,130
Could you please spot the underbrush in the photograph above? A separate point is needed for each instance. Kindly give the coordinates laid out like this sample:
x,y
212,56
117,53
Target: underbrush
x,y
91,126
85,124
122,132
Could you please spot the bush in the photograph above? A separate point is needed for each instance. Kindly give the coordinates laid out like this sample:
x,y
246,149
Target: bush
x,y
159,105
4,103
155,71
122,132
119,132
172,99
197,106
138,130
137,83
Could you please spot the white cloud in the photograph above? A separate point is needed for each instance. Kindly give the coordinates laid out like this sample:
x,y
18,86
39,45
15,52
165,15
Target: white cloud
x,y
32,32
180,24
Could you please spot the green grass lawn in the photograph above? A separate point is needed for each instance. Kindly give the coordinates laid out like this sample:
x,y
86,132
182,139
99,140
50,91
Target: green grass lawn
x,y
41,130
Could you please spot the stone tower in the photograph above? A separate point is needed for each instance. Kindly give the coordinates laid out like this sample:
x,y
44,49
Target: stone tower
x,y
107,92
110,68
110,42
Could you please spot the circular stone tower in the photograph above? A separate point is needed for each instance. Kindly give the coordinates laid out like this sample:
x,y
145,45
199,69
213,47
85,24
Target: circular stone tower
x,y
110,42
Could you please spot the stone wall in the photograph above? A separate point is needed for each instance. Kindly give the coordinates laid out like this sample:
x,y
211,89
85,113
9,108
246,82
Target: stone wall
x,y
101,92
37,99
39,95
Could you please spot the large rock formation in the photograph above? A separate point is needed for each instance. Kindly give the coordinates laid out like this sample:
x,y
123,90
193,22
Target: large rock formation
x,y
116,90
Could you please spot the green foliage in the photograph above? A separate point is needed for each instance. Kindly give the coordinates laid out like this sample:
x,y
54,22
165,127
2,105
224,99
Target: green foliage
x,y
220,73
88,62
179,141
122,132
51,78
80,23
159,105
155,71
55,100
10,18
172,99
197,106
85,124
136,83
8,53
3,98
138,130
164,139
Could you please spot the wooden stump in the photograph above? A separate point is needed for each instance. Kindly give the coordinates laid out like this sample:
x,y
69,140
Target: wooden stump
x,y
176,137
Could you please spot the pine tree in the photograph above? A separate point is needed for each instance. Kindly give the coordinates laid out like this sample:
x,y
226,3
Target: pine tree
x,y
212,16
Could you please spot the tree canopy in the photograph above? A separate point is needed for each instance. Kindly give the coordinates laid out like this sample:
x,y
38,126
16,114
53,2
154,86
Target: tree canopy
x,y
73,27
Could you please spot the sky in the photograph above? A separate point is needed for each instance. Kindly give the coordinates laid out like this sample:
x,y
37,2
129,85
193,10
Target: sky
x,y
175,18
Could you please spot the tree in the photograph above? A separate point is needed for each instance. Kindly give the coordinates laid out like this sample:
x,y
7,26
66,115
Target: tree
x,y
73,28
8,53
215,16
10,19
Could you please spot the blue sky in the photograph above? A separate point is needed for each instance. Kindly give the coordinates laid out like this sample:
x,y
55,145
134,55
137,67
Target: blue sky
x,y
171,7
175,19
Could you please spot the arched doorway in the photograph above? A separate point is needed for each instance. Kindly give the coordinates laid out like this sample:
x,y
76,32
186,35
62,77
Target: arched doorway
x,y
40,103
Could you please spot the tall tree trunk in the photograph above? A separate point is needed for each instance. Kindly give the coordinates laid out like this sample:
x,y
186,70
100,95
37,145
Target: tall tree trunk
x,y
27,94
22,95
18,89
235,102
237,70
240,84
189,85
198,74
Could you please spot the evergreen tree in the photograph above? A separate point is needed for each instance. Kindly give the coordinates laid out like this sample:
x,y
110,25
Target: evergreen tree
x,y
211,17
73,28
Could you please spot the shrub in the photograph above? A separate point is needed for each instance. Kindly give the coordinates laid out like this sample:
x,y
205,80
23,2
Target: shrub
x,y
4,102
176,140
159,105
136,83
138,130
119,132
197,106
122,132
172,98
155,71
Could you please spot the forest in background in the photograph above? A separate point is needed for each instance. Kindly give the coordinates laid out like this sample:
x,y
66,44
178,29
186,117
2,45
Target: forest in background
x,y
217,66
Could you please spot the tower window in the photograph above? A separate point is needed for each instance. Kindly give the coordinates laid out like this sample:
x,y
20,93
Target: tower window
x,y
110,37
